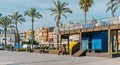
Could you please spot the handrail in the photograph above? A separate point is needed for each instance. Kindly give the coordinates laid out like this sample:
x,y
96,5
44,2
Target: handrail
x,y
91,24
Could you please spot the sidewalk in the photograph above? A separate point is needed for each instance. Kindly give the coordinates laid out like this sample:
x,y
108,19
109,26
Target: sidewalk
x,y
25,58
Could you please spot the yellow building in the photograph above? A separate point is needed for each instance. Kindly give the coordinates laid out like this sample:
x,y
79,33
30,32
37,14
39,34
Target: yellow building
x,y
28,35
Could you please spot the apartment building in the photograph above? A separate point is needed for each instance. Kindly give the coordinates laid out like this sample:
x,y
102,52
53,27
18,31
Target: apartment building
x,y
10,38
41,35
28,35
45,34
23,36
50,34
38,35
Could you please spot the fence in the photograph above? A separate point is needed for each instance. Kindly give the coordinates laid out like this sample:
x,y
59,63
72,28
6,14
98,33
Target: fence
x,y
91,24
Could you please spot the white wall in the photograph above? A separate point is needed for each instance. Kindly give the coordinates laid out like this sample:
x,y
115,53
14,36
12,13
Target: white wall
x,y
10,39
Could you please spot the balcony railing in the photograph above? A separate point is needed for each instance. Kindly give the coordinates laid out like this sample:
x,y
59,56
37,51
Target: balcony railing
x,y
91,24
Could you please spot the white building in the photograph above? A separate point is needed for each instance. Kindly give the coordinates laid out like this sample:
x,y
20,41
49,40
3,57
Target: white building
x,y
10,38
23,36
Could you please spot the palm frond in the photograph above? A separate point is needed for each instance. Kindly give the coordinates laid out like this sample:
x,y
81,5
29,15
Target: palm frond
x,y
115,8
55,3
11,26
21,20
110,2
65,4
33,14
26,13
5,22
38,15
59,9
53,13
64,15
56,17
112,6
16,17
67,10
53,9
109,8
85,4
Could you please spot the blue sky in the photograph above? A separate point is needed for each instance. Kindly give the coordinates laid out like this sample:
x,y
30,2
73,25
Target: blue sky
x,y
7,7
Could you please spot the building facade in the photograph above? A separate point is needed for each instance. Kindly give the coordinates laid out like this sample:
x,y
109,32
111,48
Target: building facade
x,y
50,34
28,35
38,35
45,34
41,35
23,36
10,38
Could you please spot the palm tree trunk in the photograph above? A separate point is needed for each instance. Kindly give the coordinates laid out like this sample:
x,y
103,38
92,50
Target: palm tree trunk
x,y
85,18
32,31
17,37
57,35
58,21
5,37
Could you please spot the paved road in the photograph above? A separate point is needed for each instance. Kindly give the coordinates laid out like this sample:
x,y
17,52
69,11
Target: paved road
x,y
25,58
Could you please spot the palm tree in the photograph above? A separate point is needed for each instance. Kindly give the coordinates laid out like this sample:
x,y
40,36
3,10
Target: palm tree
x,y
111,7
33,14
16,17
85,5
116,4
59,10
5,22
